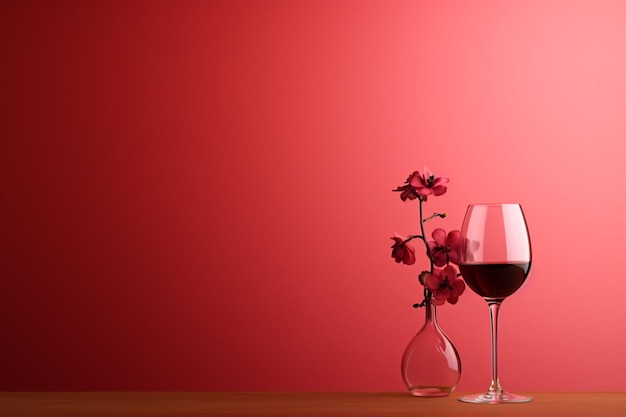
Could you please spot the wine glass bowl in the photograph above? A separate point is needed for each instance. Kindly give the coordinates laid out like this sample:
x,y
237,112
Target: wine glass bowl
x,y
495,261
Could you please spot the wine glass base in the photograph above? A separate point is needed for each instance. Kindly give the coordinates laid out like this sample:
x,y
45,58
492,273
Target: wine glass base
x,y
501,397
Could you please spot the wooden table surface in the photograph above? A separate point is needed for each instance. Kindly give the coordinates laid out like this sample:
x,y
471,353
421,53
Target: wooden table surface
x,y
291,404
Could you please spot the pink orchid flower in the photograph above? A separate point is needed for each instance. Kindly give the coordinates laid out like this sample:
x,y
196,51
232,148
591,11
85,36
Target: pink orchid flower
x,y
428,184
445,248
401,251
445,285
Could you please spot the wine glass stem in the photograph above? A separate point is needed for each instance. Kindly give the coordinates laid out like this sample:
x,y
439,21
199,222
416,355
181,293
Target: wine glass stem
x,y
494,309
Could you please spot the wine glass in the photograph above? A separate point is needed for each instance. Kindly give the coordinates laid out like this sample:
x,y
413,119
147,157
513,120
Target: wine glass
x,y
495,261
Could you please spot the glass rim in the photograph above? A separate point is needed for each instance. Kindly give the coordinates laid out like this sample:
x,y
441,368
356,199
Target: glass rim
x,y
493,204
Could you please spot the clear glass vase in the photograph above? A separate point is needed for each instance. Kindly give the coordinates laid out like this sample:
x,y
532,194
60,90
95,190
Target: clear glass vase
x,y
431,366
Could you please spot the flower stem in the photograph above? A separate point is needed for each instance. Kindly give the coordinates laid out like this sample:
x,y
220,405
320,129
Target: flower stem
x,y
427,293
424,234
411,237
442,215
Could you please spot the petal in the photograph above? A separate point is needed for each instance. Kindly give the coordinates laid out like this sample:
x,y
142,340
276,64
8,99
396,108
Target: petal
x,y
453,242
453,239
453,299
454,257
414,174
424,191
433,282
409,257
458,287
408,194
440,236
438,302
416,180
439,190
449,273
397,254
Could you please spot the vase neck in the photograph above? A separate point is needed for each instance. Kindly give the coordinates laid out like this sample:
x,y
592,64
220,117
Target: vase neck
x,y
431,312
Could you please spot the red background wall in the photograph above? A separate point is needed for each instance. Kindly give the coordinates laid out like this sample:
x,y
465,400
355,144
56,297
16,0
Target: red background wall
x,y
196,194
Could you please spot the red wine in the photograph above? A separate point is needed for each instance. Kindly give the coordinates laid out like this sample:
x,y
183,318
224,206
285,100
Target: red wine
x,y
496,281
